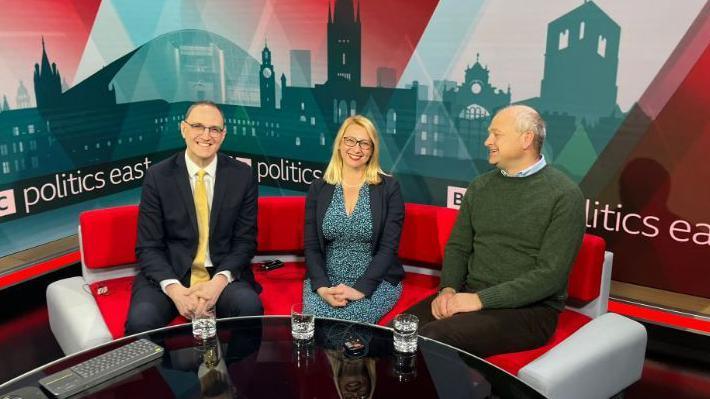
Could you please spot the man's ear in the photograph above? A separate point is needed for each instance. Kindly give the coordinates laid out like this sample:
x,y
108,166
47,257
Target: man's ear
x,y
528,139
182,129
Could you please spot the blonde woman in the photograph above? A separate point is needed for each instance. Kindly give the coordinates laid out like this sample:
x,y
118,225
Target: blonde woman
x,y
354,219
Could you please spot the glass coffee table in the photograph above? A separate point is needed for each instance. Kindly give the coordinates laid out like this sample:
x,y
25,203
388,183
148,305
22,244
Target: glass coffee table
x,y
256,357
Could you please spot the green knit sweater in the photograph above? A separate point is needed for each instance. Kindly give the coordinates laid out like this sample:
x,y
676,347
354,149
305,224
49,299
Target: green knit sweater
x,y
515,239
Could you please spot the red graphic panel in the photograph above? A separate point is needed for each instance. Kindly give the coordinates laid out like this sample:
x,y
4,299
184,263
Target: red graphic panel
x,y
661,233
65,25
391,30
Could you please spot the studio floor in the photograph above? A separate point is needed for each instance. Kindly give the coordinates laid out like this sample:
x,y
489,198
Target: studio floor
x,y
677,363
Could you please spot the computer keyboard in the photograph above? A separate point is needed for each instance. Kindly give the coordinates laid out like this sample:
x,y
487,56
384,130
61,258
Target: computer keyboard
x,y
94,371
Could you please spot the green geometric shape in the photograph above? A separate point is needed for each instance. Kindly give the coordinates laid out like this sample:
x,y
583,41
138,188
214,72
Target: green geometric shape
x,y
577,156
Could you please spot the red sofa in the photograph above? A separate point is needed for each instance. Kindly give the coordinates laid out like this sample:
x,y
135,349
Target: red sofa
x,y
82,318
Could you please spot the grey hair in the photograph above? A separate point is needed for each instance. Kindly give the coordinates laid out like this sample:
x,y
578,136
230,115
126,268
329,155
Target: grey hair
x,y
529,120
206,103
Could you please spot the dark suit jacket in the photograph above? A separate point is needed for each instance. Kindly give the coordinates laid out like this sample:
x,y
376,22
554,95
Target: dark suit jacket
x,y
387,216
167,223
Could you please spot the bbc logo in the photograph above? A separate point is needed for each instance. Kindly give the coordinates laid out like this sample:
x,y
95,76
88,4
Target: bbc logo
x,y
245,160
7,202
454,196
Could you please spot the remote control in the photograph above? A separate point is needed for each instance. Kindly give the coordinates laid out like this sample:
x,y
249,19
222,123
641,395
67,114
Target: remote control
x,y
271,265
354,347
94,371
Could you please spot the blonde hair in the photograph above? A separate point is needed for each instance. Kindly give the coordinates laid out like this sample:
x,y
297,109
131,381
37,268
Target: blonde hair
x,y
337,360
334,172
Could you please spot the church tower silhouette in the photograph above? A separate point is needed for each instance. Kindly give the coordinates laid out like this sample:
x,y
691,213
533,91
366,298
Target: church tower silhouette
x,y
344,43
581,62
48,83
267,80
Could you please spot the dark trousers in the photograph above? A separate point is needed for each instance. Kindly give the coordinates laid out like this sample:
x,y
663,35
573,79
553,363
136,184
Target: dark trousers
x,y
150,308
489,332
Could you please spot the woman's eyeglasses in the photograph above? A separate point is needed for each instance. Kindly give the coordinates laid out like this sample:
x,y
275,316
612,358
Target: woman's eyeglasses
x,y
365,144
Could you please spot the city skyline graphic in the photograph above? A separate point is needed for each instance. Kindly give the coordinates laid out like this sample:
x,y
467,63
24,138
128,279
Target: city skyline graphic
x,y
449,124
286,84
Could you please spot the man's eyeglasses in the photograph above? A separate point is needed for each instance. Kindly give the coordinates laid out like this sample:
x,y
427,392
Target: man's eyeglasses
x,y
198,128
365,144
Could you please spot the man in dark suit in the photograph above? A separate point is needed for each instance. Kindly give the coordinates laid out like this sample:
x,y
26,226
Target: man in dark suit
x,y
196,231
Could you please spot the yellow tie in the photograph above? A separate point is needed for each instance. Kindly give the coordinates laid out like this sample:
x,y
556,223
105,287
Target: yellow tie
x,y
199,272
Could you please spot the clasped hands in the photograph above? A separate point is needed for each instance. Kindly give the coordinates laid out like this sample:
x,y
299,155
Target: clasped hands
x,y
339,295
198,299
449,302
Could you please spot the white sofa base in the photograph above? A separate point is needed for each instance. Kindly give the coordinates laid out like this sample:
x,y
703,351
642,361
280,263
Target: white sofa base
x,y
599,360
74,317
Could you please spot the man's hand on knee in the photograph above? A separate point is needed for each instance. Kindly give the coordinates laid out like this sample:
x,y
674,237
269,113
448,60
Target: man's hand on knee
x,y
463,302
439,304
185,303
208,293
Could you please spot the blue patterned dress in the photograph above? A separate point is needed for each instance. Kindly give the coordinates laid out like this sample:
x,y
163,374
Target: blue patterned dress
x,y
348,253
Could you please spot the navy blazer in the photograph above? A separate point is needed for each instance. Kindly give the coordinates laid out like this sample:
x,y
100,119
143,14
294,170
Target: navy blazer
x,y
167,222
387,211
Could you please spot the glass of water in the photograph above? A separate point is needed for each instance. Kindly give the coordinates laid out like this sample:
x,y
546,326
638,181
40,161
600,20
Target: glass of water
x,y
303,353
405,366
302,322
204,325
405,333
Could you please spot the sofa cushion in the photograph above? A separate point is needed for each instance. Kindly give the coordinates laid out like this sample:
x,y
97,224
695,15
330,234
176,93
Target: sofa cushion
x,y
445,220
569,322
586,274
113,298
109,236
280,222
282,287
425,249
415,288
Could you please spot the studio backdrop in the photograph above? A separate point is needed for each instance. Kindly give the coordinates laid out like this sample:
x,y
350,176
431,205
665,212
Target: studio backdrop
x,y
93,93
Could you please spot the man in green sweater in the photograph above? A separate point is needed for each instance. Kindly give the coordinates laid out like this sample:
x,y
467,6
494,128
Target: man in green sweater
x,y
504,277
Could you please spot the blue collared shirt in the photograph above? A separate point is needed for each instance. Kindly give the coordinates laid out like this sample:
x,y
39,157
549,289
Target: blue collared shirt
x,y
536,167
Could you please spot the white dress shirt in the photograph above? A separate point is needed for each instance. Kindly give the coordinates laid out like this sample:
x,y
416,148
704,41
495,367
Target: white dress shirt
x,y
209,178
